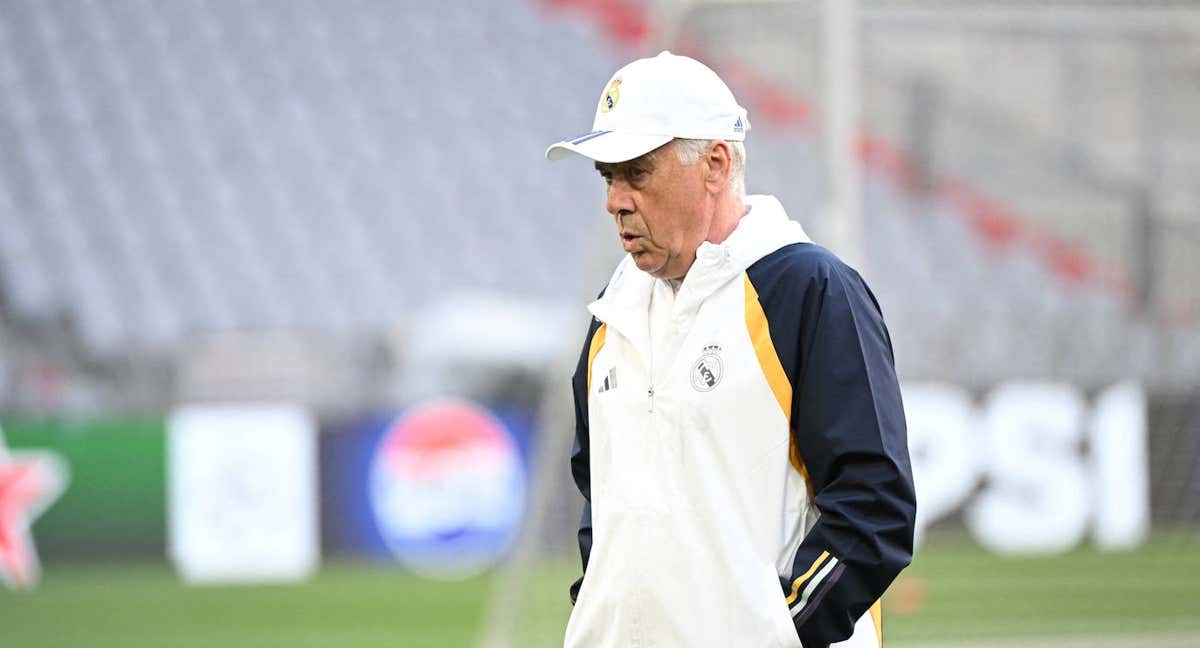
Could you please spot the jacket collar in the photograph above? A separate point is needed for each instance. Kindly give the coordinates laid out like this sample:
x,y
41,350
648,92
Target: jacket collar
x,y
764,229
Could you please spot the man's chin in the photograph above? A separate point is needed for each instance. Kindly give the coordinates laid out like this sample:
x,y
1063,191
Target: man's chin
x,y
648,264
655,266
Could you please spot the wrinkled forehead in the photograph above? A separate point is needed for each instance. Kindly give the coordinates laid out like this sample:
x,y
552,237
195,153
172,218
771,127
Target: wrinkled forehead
x,y
646,162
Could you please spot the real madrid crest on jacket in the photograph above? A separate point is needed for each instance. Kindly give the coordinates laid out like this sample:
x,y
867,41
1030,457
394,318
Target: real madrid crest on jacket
x,y
707,371
742,450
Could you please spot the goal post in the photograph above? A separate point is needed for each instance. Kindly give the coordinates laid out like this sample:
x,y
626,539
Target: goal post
x,y
842,119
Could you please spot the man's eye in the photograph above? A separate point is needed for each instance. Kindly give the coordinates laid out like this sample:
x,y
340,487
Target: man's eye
x,y
637,172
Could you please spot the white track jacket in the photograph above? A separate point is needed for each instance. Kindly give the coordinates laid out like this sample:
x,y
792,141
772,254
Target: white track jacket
x,y
745,469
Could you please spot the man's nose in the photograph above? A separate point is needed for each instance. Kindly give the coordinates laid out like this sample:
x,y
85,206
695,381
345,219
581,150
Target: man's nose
x,y
620,199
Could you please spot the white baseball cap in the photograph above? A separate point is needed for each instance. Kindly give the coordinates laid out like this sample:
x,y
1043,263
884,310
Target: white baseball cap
x,y
652,101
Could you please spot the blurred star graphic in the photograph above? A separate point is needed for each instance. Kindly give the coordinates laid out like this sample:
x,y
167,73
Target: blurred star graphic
x,y
30,481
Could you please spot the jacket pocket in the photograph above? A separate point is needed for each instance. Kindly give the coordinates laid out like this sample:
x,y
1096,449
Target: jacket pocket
x,y
777,610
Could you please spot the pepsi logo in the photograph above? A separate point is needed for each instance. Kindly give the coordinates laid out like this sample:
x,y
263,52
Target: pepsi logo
x,y
447,489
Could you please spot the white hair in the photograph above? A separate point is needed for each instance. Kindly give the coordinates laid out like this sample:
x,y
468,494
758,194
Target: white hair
x,y
689,151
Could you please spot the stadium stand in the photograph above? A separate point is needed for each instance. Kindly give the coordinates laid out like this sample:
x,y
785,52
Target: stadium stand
x,y
178,169
200,166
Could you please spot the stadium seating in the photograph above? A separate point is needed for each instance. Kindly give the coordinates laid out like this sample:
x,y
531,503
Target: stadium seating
x,y
197,166
173,169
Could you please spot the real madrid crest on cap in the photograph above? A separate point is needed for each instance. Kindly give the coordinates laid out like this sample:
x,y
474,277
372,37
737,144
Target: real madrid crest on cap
x,y
708,369
611,96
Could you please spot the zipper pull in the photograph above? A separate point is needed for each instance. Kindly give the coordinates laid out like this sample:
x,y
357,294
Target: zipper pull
x,y
650,393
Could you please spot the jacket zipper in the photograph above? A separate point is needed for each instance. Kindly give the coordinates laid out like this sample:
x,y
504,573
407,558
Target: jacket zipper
x,y
650,378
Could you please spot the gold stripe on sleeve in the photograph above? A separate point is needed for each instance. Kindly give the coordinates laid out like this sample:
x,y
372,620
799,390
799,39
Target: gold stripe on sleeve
x,y
593,349
760,337
877,616
799,582
768,360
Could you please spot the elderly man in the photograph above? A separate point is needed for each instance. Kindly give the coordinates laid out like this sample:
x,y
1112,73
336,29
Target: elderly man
x,y
740,439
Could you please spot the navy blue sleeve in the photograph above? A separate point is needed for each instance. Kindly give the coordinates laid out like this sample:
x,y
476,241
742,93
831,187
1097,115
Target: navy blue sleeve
x,y
580,460
849,431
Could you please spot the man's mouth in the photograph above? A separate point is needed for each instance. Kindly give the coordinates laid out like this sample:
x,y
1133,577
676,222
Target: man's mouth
x,y
628,240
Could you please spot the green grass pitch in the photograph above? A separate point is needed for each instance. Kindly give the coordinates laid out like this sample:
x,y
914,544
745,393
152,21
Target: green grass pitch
x,y
953,593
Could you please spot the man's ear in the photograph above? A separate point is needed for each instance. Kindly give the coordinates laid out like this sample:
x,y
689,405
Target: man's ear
x,y
718,161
